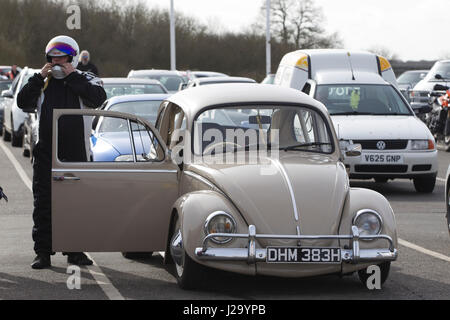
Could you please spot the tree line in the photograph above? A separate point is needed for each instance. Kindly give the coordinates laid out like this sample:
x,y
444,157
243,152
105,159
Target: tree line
x,y
125,35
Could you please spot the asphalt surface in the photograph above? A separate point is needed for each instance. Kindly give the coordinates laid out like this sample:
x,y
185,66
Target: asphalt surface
x,y
415,275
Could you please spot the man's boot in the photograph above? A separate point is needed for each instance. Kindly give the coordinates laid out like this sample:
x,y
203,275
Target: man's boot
x,y
78,258
41,261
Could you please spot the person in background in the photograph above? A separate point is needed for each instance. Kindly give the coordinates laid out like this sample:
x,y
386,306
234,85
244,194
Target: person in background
x,y
57,85
13,73
85,63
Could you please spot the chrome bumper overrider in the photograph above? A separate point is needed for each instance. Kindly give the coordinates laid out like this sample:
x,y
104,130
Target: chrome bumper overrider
x,y
252,255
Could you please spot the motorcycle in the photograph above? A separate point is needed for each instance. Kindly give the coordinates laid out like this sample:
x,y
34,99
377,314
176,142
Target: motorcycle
x,y
438,120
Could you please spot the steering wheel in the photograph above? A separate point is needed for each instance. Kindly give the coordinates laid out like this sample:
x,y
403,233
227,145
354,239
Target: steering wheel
x,y
214,145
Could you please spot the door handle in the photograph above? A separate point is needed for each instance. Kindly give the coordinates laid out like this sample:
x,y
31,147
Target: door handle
x,y
64,178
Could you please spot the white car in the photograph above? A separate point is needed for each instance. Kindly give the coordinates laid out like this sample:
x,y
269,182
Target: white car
x,y
367,109
14,117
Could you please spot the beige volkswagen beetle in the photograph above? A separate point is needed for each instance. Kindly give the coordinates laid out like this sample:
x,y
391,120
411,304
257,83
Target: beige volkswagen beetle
x,y
246,178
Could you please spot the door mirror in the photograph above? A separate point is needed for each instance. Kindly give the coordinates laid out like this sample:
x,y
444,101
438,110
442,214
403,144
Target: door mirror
x,y
7,94
353,150
440,87
438,76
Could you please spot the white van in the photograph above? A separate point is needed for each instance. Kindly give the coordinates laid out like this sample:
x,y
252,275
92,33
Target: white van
x,y
361,94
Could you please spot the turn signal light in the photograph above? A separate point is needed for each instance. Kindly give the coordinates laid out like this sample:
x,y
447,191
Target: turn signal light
x,y
430,145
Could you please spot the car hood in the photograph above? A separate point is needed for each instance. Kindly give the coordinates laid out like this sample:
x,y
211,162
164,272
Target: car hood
x,y
423,85
372,127
269,194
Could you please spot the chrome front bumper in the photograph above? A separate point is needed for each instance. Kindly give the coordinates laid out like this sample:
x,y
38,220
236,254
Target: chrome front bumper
x,y
252,255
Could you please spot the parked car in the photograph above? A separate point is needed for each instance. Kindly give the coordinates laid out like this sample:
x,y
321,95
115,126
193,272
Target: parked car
x,y
191,197
407,80
171,80
5,69
269,79
4,85
216,80
204,74
109,138
447,198
438,74
14,117
360,91
126,86
30,134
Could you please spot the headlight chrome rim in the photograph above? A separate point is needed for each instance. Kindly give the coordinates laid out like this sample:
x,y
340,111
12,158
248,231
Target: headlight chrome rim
x,y
368,211
214,215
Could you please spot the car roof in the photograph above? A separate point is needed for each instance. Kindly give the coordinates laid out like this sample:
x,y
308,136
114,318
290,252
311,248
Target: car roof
x,y
208,73
196,98
154,71
224,79
130,80
138,97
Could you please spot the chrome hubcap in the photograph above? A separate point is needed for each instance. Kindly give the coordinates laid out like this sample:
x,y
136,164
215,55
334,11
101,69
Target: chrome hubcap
x,y
177,251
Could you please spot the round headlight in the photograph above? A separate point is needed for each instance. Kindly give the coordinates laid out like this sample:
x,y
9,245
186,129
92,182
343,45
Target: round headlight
x,y
220,222
368,221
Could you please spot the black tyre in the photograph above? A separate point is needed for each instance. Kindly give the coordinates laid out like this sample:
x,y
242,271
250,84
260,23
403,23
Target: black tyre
x,y
384,270
26,153
425,184
16,139
188,273
137,255
381,180
6,135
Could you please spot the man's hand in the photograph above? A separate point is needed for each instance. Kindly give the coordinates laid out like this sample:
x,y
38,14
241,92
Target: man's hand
x,y
68,68
46,69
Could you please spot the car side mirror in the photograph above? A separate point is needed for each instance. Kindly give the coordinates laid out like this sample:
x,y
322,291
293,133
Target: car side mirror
x,y
438,76
182,86
7,94
353,150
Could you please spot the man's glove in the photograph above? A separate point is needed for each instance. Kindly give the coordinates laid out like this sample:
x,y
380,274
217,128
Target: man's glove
x,y
2,195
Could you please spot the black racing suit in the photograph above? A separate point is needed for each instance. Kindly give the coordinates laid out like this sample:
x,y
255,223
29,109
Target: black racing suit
x,y
88,67
59,93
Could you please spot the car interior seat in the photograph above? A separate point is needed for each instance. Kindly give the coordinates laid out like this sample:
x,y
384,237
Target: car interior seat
x,y
372,106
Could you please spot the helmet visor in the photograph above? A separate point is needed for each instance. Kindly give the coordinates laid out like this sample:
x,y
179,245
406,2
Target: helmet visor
x,y
62,47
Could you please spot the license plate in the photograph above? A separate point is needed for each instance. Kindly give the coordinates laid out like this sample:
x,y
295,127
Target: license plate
x,y
384,158
303,255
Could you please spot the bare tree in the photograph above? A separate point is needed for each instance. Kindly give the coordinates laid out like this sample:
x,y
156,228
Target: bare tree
x,y
298,22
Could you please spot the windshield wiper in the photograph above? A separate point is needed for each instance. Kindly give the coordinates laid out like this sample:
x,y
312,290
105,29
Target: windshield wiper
x,y
293,147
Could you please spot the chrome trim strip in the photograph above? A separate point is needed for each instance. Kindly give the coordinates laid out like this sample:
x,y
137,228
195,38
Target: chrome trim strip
x,y
116,170
288,181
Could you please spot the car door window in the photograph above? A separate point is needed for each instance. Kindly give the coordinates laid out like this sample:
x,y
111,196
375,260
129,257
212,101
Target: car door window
x,y
112,139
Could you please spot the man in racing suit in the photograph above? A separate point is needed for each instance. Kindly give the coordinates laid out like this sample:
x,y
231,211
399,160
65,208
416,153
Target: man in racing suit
x,y
58,85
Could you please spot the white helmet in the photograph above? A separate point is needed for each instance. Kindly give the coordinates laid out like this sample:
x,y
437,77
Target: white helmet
x,y
62,46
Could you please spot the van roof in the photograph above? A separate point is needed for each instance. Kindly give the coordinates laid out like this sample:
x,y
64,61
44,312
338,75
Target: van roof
x,y
336,65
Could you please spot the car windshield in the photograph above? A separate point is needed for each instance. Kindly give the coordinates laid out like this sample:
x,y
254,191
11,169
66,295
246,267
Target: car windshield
x,y
120,89
411,77
363,99
171,82
143,109
441,68
247,128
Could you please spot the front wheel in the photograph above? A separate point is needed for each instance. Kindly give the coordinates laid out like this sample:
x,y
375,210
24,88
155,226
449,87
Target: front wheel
x,y
448,210
6,134
384,273
188,273
425,184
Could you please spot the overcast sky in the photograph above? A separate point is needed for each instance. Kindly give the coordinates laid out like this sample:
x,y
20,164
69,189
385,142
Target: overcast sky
x,y
412,29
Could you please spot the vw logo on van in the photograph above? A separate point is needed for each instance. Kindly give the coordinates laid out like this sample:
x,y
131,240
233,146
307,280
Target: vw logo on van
x,y
381,145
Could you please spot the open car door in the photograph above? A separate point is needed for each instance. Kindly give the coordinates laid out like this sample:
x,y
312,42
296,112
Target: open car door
x,y
113,183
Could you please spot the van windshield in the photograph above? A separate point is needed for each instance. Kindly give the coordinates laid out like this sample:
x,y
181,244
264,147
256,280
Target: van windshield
x,y
361,99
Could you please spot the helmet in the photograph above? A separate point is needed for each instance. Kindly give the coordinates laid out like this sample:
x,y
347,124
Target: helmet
x,y
62,46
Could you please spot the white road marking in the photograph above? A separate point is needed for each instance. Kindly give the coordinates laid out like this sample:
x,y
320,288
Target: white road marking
x,y
423,250
18,167
100,278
